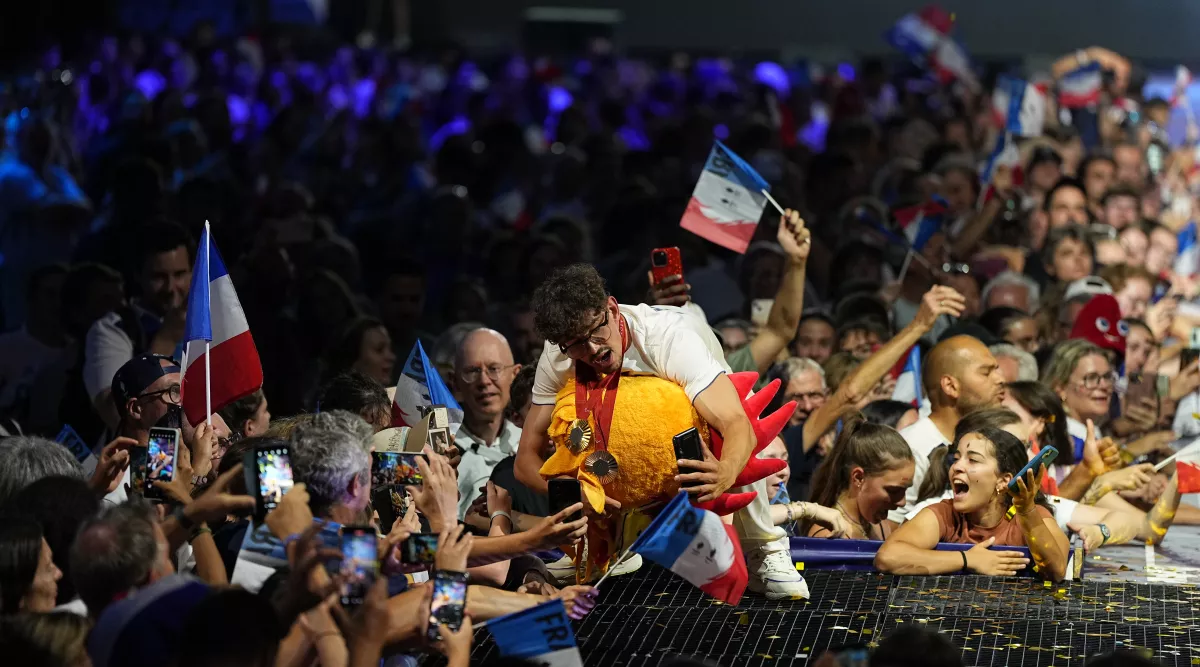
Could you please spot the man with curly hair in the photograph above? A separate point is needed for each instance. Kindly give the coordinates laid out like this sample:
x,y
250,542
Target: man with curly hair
x,y
586,328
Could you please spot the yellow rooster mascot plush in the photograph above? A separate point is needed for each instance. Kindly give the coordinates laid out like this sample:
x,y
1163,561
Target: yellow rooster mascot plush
x,y
647,414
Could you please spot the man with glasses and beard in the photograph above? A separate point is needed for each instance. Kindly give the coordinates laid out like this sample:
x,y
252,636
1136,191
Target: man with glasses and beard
x,y
587,331
146,392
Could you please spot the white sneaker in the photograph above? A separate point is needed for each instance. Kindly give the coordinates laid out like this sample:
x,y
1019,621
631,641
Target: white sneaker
x,y
774,575
563,569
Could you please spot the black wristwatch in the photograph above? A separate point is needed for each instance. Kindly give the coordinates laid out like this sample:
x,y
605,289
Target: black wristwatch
x,y
184,522
1105,532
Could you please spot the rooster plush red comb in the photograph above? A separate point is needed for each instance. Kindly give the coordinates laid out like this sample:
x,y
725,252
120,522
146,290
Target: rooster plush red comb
x,y
765,430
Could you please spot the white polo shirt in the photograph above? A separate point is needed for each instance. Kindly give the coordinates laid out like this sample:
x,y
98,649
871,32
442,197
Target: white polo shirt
x,y
477,462
922,438
672,343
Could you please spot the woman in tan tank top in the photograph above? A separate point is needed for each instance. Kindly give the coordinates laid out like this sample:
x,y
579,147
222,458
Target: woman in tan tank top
x,y
979,513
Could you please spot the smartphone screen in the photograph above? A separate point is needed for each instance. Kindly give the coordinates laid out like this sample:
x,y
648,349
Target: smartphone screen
x,y
419,548
138,456
395,468
162,446
274,468
449,599
564,493
360,562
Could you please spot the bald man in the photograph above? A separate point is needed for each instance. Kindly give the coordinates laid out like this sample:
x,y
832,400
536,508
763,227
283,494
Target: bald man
x,y
959,376
483,375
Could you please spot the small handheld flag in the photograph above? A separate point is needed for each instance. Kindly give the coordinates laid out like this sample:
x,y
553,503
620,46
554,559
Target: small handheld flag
x,y
1019,107
696,545
908,385
541,635
420,386
216,336
925,38
728,200
1080,88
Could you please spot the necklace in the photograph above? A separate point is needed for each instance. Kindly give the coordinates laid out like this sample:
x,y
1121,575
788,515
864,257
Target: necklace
x,y
865,528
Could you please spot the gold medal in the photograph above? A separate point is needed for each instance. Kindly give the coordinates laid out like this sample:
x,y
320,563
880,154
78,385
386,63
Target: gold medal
x,y
580,436
602,465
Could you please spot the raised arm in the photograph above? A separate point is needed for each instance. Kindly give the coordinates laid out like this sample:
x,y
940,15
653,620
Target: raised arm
x,y
784,319
1047,544
720,406
938,301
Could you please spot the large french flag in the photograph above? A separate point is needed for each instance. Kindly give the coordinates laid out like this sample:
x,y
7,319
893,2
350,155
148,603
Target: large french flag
x,y
1080,88
728,200
925,38
220,362
420,386
541,635
908,385
698,546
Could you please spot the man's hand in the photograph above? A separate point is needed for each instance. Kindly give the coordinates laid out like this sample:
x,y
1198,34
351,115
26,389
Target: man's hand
x,y
611,506
1137,418
672,291
939,300
578,600
711,479
555,531
1092,537
438,496
1002,179
498,499
453,548
1127,479
292,516
114,459
179,489
307,583
200,444
456,646
794,237
369,630
216,503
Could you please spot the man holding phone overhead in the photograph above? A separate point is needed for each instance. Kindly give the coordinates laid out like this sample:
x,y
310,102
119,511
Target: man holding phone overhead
x,y
589,335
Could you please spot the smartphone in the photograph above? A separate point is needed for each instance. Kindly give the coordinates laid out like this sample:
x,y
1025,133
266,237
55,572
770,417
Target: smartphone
x,y
419,548
396,468
687,446
360,562
1189,354
665,262
1141,387
449,601
138,457
162,451
268,476
1044,458
760,311
564,492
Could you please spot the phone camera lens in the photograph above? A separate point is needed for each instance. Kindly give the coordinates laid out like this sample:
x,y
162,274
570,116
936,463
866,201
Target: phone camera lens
x,y
659,258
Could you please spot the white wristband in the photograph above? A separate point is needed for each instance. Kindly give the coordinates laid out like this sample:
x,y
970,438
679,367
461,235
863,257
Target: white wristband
x,y
502,513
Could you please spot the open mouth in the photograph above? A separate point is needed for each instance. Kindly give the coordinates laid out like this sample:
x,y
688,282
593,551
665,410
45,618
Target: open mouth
x,y
959,488
603,359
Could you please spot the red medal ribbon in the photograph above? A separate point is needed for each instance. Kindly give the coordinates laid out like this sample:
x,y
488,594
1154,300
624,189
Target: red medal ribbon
x,y
593,395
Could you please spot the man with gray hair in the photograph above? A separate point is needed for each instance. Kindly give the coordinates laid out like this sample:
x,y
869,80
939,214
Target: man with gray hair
x,y
1012,289
329,456
25,459
121,549
483,376
1016,365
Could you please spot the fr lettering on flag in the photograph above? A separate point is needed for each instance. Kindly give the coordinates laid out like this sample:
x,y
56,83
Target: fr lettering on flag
x,y
220,361
540,635
419,387
728,200
698,546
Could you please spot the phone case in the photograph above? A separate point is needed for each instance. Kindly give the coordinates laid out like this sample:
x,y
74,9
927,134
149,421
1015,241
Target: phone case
x,y
564,493
672,267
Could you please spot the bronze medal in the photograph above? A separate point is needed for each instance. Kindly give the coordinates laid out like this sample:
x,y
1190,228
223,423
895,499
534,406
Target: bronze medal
x,y
602,465
580,436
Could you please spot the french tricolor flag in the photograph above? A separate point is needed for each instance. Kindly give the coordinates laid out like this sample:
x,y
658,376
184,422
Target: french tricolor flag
x,y
540,635
1187,262
220,362
925,37
420,386
908,385
728,200
1080,88
921,222
698,546
1019,106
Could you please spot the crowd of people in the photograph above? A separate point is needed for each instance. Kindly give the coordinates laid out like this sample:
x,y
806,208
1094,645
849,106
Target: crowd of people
x,y
502,213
